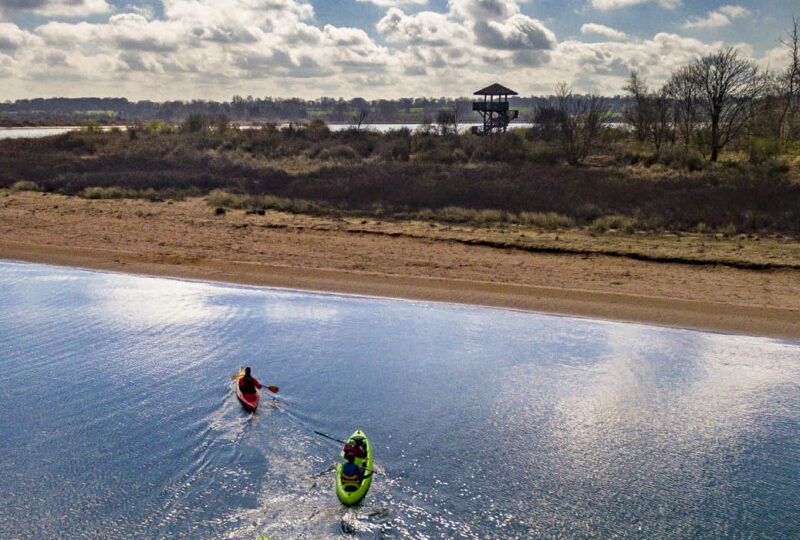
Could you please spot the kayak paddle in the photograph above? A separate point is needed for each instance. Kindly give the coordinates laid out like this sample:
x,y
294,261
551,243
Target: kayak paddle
x,y
272,388
329,437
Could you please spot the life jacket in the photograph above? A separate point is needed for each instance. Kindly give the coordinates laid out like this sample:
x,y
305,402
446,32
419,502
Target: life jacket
x,y
246,385
351,479
357,451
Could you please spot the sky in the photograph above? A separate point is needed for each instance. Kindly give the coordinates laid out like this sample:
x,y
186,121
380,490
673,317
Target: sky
x,y
214,49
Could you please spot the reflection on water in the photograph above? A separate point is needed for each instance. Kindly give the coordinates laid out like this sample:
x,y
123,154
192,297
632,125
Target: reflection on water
x,y
486,423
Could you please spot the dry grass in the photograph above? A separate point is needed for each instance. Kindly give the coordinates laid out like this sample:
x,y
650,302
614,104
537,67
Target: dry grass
x,y
546,232
741,251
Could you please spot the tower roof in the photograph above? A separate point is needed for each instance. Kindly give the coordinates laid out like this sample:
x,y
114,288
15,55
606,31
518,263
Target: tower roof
x,y
495,90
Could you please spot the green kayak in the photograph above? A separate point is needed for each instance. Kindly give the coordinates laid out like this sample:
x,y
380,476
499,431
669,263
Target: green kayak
x,y
352,492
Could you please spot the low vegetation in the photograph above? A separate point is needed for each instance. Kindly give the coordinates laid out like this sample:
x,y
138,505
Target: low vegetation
x,y
511,178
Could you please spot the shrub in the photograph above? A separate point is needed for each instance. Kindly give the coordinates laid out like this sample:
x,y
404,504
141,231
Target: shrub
x,y
112,192
588,212
192,124
341,152
616,222
485,217
317,130
501,147
546,220
629,157
762,149
443,154
222,198
456,214
777,166
399,150
25,185
422,142
546,155
677,157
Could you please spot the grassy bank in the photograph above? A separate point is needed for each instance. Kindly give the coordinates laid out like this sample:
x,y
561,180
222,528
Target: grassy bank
x,y
504,181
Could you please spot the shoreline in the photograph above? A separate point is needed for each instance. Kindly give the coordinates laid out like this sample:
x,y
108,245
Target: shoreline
x,y
659,311
185,239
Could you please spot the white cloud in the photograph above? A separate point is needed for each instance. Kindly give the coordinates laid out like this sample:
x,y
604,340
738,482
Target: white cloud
x,y
605,66
776,59
73,8
516,33
604,5
423,28
340,36
734,11
599,29
483,10
393,3
57,8
268,14
221,38
212,49
717,18
12,37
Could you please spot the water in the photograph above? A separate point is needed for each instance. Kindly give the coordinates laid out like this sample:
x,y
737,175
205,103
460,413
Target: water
x,y
119,418
14,133
385,128
32,133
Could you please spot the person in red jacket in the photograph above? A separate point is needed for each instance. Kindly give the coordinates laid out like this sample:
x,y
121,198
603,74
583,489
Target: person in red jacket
x,y
248,384
356,449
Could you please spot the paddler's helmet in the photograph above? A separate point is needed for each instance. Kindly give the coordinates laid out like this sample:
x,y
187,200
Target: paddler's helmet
x,y
247,371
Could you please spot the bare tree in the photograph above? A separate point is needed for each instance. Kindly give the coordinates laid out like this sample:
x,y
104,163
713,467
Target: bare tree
x,y
425,126
684,92
582,122
358,118
661,125
790,80
547,121
637,113
650,113
728,85
447,120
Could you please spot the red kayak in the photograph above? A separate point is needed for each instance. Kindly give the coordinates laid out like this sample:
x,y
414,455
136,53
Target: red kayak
x,y
248,401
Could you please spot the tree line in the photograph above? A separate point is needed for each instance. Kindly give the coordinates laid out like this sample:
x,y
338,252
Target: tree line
x,y
252,109
720,99
716,101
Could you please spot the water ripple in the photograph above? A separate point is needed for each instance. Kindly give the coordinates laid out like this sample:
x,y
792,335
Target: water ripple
x,y
486,423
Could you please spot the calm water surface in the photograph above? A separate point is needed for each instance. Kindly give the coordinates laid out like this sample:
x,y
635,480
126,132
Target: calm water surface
x,y
119,420
15,133
31,133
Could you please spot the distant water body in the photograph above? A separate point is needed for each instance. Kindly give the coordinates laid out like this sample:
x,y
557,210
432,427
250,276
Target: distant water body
x,y
32,133
18,133
119,420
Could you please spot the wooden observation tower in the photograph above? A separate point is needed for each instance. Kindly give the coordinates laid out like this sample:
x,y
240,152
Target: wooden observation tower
x,y
495,114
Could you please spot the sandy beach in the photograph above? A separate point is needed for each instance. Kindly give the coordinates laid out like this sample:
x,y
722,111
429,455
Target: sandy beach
x,y
187,239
